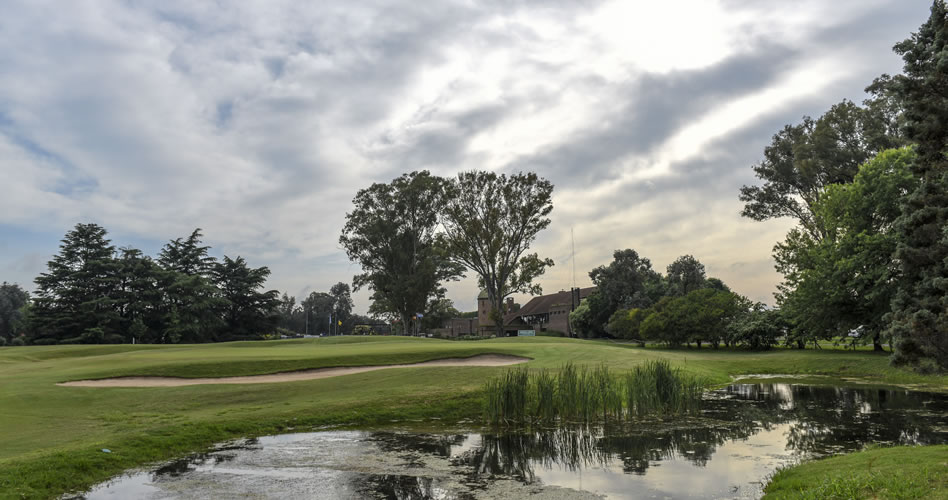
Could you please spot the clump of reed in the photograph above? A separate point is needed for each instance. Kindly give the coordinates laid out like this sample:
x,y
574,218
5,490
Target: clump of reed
x,y
579,394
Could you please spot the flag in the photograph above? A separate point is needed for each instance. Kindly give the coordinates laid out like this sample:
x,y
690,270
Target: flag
x,y
340,323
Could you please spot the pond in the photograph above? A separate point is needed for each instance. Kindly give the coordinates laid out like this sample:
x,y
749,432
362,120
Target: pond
x,y
744,433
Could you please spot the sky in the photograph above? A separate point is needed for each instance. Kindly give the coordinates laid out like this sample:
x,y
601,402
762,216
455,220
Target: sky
x,y
258,121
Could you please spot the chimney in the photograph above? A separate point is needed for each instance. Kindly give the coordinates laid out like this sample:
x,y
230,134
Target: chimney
x,y
510,304
574,298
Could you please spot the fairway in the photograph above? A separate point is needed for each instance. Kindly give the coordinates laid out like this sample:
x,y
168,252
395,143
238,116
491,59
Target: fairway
x,y
53,435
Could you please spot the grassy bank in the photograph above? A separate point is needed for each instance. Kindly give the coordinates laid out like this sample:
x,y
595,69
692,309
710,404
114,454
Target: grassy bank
x,y
899,472
52,436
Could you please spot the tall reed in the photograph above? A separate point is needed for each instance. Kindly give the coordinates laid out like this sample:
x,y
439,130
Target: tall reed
x,y
578,394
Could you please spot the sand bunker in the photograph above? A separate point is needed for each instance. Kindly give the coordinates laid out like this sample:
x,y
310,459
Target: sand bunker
x,y
482,360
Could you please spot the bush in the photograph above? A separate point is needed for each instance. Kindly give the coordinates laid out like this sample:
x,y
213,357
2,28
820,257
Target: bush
x,y
18,341
758,329
3,341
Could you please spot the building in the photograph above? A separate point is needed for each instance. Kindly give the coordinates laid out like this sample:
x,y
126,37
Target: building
x,y
545,313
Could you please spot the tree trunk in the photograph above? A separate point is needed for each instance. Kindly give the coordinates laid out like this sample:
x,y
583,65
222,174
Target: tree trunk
x,y
877,343
405,319
801,344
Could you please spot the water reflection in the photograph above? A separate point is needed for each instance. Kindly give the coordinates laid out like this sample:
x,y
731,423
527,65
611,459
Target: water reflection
x,y
744,433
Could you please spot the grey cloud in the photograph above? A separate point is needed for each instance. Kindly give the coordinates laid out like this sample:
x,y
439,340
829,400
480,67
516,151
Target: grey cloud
x,y
650,109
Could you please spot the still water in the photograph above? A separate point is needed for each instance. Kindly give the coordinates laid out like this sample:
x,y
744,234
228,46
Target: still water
x,y
744,433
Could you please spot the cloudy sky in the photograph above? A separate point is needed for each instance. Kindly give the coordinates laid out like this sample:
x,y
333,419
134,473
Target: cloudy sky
x,y
259,121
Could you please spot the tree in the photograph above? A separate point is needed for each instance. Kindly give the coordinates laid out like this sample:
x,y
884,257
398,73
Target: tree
x,y
139,296
490,221
187,256
919,319
685,275
716,284
627,282
75,297
13,301
192,305
247,311
342,306
392,234
291,315
700,316
844,282
439,311
803,159
318,310
758,329
626,324
580,320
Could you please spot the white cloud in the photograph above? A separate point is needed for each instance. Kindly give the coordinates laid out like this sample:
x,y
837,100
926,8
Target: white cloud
x,y
258,121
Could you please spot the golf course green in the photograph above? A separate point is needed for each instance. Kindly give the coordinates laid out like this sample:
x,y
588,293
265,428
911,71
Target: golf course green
x,y
52,437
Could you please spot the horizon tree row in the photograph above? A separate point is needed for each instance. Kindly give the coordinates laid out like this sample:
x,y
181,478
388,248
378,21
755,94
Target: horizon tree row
x,y
635,302
94,293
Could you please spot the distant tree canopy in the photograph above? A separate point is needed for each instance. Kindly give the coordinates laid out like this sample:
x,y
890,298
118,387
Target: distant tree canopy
x,y
93,293
637,303
14,302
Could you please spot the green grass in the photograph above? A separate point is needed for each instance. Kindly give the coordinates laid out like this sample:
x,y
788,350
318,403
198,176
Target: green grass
x,y
901,472
51,436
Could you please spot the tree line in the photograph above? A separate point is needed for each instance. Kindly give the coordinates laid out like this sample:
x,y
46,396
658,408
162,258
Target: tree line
x,y
868,188
93,292
633,301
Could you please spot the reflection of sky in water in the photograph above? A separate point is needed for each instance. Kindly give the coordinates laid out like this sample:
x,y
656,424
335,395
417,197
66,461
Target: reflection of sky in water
x,y
746,432
735,471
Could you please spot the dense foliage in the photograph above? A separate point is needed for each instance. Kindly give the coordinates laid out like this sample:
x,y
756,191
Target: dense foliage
x,y
635,302
869,256
392,234
14,302
919,319
92,293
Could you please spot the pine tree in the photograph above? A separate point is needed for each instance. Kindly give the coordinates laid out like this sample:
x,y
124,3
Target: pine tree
x,y
248,312
192,305
920,309
76,298
139,296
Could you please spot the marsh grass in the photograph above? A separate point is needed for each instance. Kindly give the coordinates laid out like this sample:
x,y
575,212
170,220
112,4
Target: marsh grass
x,y
579,394
507,396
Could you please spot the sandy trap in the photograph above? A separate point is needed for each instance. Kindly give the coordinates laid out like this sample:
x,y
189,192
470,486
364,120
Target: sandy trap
x,y
481,360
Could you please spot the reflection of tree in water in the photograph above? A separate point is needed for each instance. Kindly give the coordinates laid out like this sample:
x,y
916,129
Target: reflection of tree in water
x,y
514,454
821,421
827,420
399,487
